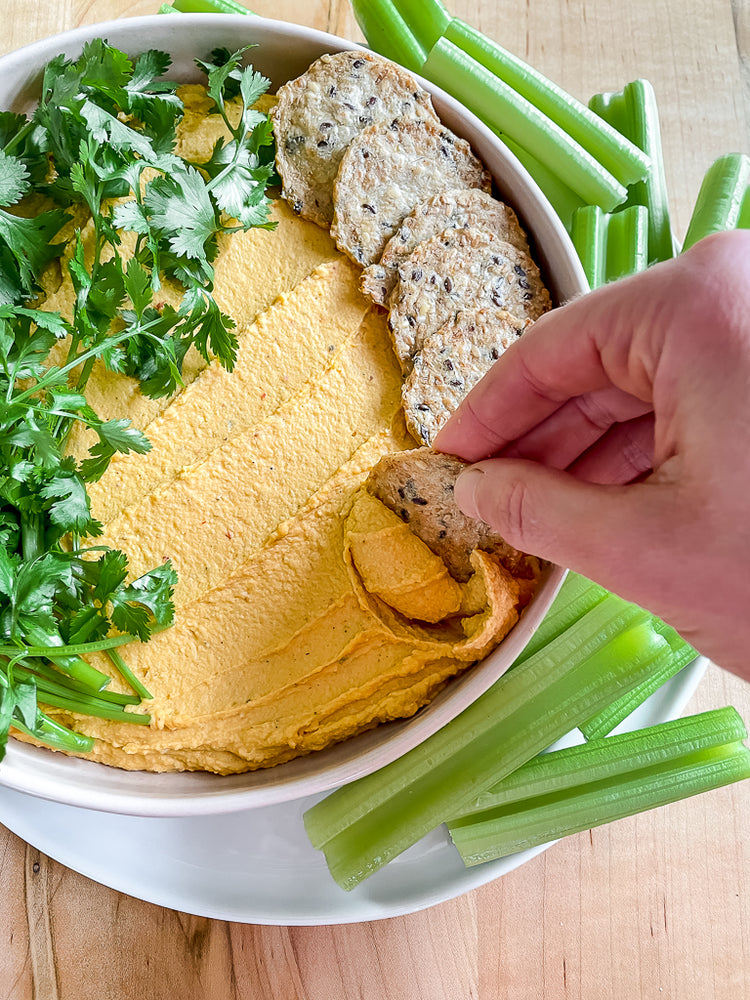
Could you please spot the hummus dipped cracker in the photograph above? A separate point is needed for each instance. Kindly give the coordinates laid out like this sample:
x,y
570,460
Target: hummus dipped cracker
x,y
418,485
460,269
320,112
457,208
389,169
451,362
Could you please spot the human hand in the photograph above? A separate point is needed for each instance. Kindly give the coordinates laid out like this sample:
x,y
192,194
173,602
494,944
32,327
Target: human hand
x,y
614,438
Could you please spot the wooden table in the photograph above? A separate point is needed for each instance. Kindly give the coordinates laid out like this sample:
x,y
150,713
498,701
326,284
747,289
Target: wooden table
x,y
657,906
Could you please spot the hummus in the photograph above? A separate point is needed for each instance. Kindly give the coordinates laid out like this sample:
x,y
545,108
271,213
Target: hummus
x,y
306,611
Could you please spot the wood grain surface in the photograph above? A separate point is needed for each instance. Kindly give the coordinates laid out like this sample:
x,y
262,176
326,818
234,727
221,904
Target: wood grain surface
x,y
653,907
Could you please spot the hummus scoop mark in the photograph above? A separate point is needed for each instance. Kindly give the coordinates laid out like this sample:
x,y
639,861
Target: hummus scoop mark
x,y
418,486
320,112
438,615
299,334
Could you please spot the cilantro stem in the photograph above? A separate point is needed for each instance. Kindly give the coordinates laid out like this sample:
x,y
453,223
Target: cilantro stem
x,y
90,706
56,735
80,649
128,674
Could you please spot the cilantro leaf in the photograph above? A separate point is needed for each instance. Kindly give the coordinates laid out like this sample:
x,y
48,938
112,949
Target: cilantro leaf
x,y
146,602
14,179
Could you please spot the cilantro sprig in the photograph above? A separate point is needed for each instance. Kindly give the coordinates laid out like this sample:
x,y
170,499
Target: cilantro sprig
x,y
100,146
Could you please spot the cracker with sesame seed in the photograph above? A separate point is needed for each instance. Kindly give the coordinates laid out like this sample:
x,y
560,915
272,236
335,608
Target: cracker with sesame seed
x,y
320,112
389,169
458,208
418,485
460,269
451,362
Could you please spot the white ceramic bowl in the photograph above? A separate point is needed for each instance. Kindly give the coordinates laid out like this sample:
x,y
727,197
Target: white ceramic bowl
x,y
283,52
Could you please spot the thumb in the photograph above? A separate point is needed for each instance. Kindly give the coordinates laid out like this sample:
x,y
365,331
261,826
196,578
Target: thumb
x,y
616,535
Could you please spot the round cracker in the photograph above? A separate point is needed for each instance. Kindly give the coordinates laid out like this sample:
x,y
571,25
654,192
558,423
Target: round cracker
x,y
451,362
320,112
455,209
389,169
460,269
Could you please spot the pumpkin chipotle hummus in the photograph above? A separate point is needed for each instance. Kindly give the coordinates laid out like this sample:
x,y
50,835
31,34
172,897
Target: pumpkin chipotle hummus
x,y
306,610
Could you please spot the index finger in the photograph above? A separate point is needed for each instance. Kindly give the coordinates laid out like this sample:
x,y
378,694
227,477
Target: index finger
x,y
578,348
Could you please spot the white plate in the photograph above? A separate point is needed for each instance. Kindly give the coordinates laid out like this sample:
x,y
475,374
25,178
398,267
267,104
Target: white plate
x,y
257,866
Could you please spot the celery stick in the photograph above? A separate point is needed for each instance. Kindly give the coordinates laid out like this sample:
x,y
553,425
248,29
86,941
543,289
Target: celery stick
x,y
633,112
564,770
364,825
589,235
210,7
538,821
723,201
503,110
575,598
426,19
387,33
621,157
743,219
561,198
679,655
644,130
626,242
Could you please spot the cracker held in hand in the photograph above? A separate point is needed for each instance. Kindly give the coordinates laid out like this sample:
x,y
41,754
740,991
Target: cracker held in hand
x,y
454,209
460,269
451,362
418,486
389,169
319,114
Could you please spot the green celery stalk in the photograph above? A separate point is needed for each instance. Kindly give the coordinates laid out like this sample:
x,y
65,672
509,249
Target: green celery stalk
x,y
680,653
616,153
387,33
208,7
627,242
610,246
589,235
518,826
633,111
723,201
561,198
365,824
576,597
605,759
506,111
426,19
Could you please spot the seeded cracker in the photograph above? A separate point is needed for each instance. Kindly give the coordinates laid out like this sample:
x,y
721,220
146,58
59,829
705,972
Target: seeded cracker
x,y
455,209
387,171
319,114
418,486
451,362
460,269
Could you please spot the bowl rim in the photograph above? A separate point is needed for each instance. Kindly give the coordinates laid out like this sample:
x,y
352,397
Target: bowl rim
x,y
58,777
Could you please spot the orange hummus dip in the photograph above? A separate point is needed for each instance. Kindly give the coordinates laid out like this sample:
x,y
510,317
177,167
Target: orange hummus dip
x,y
306,611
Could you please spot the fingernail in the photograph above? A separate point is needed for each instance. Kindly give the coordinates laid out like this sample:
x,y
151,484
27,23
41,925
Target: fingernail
x,y
466,488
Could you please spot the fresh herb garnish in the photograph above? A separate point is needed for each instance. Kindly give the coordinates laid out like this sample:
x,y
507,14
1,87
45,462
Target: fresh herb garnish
x,y
100,146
